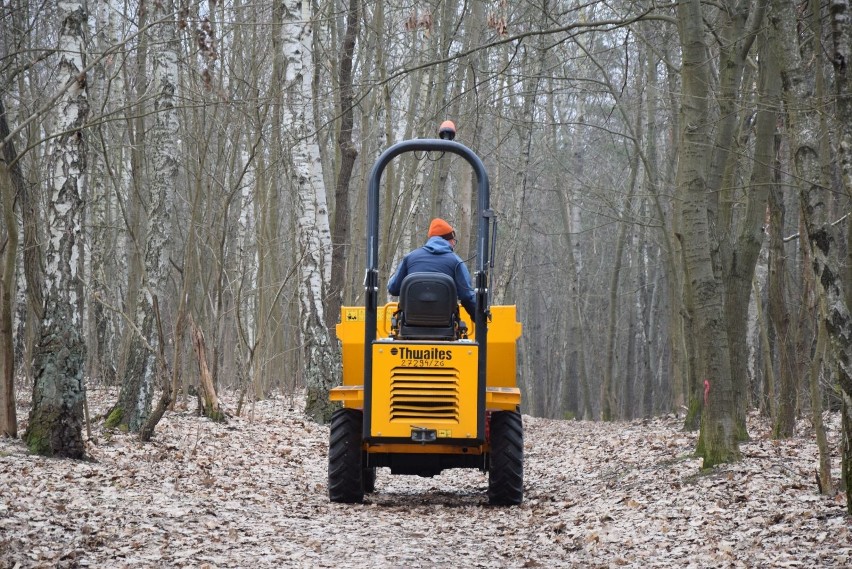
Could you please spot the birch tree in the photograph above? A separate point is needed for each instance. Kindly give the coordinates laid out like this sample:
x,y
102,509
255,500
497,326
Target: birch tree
x,y
107,162
546,93
321,366
134,404
56,417
823,237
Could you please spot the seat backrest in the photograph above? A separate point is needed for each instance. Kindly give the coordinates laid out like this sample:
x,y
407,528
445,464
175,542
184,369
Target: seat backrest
x,y
429,306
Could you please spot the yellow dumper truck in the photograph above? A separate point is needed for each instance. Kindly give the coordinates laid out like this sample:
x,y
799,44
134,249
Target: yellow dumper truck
x,y
423,389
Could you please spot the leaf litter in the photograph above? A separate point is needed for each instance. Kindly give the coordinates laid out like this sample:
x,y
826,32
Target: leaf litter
x,y
252,493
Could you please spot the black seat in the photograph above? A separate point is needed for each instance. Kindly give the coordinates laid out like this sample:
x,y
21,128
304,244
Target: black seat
x,y
428,306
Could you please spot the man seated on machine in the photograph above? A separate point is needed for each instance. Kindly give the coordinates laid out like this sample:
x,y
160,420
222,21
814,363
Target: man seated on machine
x,y
437,256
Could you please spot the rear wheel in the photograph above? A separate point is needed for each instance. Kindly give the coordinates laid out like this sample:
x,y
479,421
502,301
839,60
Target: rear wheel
x,y
345,474
506,467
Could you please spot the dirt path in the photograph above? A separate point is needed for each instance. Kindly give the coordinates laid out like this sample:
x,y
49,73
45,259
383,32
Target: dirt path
x,y
252,494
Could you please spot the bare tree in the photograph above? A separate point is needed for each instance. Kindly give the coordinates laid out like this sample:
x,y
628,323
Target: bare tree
x,y
348,153
208,191
718,439
56,417
821,235
321,366
134,405
11,183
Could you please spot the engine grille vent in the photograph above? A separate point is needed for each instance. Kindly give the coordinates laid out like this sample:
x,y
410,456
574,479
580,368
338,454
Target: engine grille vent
x,y
424,394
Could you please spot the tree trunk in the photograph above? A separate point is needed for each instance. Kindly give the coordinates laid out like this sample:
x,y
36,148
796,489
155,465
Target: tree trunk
x,y
210,401
826,484
8,416
739,247
717,441
765,194
340,237
107,158
11,183
839,329
134,404
779,314
321,364
131,203
609,402
767,392
803,124
841,31
824,243
573,299
147,429
56,416
652,182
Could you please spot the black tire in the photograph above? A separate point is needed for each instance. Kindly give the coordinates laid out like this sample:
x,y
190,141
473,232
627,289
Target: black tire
x,y
368,475
506,465
344,457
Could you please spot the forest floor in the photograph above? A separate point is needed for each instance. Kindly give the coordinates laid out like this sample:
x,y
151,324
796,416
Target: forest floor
x,y
252,493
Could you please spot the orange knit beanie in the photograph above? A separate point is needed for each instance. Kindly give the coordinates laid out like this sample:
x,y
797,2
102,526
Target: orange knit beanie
x,y
440,228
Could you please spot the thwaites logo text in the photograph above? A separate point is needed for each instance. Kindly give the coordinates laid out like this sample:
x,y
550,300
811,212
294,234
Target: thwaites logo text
x,y
422,354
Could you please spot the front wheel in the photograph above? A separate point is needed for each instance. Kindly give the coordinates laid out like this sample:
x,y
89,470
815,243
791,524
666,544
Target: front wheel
x,y
345,483
506,466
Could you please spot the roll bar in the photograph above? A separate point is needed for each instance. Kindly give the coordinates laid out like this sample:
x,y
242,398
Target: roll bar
x,y
483,258
371,281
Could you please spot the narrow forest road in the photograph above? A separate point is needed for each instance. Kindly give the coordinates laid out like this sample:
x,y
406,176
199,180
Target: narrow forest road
x,y
252,493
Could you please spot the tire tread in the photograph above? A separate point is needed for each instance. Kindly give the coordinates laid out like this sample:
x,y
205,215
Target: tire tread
x,y
506,467
344,457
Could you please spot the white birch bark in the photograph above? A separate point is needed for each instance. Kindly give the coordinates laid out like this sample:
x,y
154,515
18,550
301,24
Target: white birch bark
x,y
247,252
761,276
56,418
106,159
838,320
321,364
138,385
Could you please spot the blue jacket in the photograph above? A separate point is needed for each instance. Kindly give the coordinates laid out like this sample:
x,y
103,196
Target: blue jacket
x,y
437,256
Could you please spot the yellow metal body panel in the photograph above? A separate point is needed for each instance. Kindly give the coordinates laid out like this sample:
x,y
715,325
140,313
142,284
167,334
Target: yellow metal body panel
x,y
350,395
496,398
350,332
503,333
502,398
429,385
